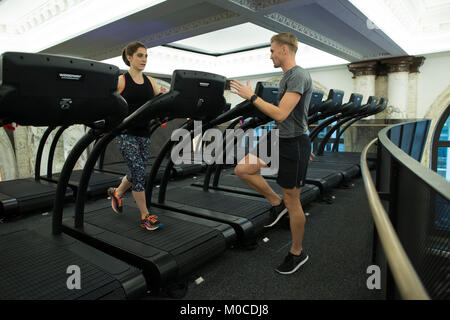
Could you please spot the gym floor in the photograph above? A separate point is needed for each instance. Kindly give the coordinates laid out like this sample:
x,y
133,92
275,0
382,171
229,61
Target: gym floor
x,y
338,239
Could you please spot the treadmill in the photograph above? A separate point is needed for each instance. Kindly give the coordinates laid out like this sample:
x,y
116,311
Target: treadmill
x,y
347,169
99,183
347,162
36,263
347,120
169,254
29,195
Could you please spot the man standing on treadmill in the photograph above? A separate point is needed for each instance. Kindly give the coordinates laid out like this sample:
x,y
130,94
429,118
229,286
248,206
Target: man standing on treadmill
x,y
294,95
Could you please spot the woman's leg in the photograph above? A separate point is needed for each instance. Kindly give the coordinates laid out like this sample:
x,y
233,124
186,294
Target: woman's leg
x,y
141,161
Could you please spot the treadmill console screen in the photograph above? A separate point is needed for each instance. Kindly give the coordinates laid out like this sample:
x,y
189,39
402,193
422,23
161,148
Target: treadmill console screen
x,y
46,89
316,99
267,91
201,93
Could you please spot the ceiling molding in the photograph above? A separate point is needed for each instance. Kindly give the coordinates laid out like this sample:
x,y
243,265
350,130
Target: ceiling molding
x,y
258,5
298,27
40,15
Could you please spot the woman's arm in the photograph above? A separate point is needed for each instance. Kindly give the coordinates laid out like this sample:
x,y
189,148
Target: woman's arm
x,y
121,84
155,86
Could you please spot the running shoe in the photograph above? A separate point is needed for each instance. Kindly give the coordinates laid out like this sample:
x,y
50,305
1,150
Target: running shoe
x,y
151,222
292,263
116,202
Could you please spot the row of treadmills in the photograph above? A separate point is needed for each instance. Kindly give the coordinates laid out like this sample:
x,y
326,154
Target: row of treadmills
x,y
116,258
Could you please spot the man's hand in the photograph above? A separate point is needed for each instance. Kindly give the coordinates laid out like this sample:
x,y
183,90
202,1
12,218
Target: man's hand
x,y
244,91
311,157
162,90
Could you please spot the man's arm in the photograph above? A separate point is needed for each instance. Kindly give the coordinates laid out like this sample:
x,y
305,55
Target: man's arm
x,y
280,113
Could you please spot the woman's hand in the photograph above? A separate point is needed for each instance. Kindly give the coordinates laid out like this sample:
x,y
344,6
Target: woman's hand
x,y
162,90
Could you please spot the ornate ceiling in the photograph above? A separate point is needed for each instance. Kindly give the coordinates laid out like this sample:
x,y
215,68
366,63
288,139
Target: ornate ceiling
x,y
212,32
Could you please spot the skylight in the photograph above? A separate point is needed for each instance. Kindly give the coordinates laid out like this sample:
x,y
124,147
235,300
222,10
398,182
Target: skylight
x,y
237,38
239,54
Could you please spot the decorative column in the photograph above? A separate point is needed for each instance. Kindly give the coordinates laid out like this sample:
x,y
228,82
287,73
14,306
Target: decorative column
x,y
8,168
69,139
23,152
398,84
381,87
364,73
413,86
364,78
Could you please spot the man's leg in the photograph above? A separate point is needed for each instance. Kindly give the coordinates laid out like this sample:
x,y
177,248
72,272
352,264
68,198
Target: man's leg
x,y
248,171
297,219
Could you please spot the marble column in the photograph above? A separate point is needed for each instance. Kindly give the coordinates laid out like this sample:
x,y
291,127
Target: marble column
x,y
413,82
364,79
364,74
34,138
398,85
23,152
70,138
381,87
8,166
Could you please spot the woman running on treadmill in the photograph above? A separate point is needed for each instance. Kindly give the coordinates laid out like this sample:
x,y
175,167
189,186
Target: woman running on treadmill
x,y
136,88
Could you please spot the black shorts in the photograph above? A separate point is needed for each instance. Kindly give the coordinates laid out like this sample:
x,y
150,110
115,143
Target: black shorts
x,y
294,154
293,161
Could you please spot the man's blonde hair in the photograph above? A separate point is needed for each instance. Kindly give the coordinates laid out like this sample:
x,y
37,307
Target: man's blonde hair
x,y
288,39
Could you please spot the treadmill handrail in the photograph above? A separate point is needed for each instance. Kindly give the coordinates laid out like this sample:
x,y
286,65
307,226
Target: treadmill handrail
x,y
69,164
368,109
51,153
337,117
40,151
379,108
150,183
364,112
210,167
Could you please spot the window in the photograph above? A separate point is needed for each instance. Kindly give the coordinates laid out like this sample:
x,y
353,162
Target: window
x,y
440,149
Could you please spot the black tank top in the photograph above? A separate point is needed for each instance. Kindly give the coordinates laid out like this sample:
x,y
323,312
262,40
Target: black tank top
x,y
136,95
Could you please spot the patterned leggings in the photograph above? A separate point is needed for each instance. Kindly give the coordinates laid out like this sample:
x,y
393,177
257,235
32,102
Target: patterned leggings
x,y
136,152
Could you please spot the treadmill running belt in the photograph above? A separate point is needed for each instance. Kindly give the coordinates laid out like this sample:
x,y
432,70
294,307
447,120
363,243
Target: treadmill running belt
x,y
232,205
122,169
171,237
24,189
98,183
33,268
176,249
308,194
347,170
325,179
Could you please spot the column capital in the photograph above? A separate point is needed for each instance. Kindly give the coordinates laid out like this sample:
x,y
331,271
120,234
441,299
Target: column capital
x,y
364,68
398,64
417,63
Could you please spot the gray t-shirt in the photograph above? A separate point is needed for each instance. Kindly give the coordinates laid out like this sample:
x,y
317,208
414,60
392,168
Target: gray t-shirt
x,y
297,80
